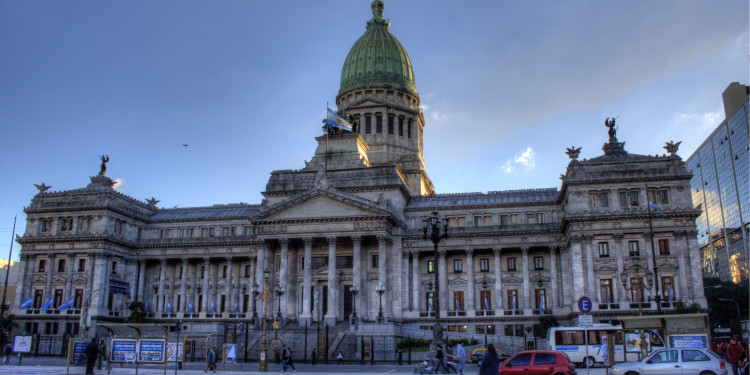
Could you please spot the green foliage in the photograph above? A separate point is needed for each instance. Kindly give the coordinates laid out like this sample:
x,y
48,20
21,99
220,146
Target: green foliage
x,y
454,342
138,310
545,323
682,307
416,344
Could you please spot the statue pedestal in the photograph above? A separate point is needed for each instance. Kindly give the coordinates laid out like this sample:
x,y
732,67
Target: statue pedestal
x,y
343,151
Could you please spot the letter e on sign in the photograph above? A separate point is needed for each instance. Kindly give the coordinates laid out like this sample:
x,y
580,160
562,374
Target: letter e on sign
x,y
584,304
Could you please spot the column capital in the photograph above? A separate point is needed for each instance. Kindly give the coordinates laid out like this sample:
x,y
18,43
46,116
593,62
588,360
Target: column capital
x,y
71,256
283,242
382,238
331,240
228,258
497,251
442,252
618,236
525,250
163,261
357,240
307,241
91,253
469,252
185,259
207,260
553,250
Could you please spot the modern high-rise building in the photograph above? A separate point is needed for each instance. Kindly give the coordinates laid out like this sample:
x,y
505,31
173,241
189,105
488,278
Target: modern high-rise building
x,y
721,187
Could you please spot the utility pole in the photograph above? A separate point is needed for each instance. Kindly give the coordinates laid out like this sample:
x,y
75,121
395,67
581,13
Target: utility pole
x,y
7,271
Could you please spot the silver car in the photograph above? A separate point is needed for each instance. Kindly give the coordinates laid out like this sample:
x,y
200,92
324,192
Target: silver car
x,y
674,362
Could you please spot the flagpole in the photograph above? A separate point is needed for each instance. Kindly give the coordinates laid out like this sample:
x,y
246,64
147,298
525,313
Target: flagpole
x,y
657,297
326,130
7,271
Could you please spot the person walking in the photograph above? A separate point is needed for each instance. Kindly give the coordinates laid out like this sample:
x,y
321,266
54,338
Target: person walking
x,y
211,360
734,354
400,357
439,360
102,351
290,361
92,351
461,357
284,358
314,357
7,351
340,357
490,363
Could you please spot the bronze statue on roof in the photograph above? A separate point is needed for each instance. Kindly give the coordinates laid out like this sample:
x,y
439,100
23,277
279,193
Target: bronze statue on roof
x,y
610,123
103,170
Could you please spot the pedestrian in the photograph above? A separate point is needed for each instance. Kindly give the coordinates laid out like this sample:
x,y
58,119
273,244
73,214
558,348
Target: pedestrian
x,y
490,363
340,357
439,360
108,360
7,351
92,351
734,354
400,357
314,357
284,358
102,351
211,360
461,356
289,360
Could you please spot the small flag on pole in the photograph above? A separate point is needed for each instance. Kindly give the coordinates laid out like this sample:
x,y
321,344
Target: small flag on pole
x,y
190,307
337,121
429,304
169,307
68,304
458,307
486,305
236,306
651,205
671,293
212,306
47,305
146,308
27,303
514,302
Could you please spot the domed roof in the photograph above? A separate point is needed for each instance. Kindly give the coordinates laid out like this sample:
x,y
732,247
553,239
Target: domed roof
x,y
377,58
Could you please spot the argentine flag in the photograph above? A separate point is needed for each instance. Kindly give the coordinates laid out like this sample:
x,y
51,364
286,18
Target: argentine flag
x,y
671,294
47,305
236,306
337,121
652,206
68,304
27,303
458,307
486,305
146,308
429,304
514,302
541,305
190,307
169,308
212,307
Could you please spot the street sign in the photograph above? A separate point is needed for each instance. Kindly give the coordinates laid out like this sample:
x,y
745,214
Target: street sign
x,y
585,321
584,304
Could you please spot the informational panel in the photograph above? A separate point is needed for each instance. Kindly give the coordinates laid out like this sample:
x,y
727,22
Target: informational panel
x,y
585,321
688,341
79,352
230,353
151,350
174,352
633,342
123,350
22,344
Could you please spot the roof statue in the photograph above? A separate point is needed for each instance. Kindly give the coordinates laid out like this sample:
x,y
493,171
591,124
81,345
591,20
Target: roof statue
x,y
610,123
573,152
103,170
152,202
42,188
672,147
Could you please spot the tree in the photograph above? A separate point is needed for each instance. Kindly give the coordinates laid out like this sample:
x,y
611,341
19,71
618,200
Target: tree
x,y
138,312
7,324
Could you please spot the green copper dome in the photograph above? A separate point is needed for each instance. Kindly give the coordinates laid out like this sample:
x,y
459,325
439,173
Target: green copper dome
x,y
377,58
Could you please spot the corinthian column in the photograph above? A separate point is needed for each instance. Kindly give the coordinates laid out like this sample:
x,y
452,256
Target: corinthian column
x,y
470,309
306,316
357,270
553,277
283,275
330,316
498,282
526,281
162,283
204,291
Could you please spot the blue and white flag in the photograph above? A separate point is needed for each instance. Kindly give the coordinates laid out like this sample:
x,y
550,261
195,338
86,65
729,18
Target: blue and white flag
x,y
429,304
190,307
68,304
27,303
236,306
212,306
652,206
486,305
337,121
169,308
671,294
47,305
514,302
541,305
146,308
458,307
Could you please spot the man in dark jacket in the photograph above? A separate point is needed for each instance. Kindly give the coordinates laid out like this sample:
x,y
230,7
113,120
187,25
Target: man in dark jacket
x,y
92,351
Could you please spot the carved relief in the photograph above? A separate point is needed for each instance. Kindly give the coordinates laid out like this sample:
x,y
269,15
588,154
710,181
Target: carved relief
x,y
512,279
605,265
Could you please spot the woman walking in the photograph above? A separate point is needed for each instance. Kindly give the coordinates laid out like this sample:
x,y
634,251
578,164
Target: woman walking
x,y
490,363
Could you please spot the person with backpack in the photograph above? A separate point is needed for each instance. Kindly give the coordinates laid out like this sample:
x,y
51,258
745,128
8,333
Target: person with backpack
x,y
211,360
289,360
284,358
490,363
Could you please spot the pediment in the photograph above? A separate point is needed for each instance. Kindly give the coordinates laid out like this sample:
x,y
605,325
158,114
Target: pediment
x,y
317,204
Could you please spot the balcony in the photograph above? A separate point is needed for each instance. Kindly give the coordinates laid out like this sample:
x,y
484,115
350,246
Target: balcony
x,y
485,313
425,314
456,313
512,312
609,306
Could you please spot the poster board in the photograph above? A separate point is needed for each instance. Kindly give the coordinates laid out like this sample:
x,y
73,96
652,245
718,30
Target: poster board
x,y
123,350
688,341
174,352
22,344
230,354
78,355
151,350
633,342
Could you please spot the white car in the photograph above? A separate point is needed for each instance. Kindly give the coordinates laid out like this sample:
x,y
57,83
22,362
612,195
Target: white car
x,y
674,362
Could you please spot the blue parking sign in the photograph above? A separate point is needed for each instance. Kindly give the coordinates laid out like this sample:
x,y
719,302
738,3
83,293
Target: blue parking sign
x,y
584,304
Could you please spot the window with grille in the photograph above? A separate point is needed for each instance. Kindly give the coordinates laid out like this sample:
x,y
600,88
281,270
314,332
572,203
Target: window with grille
x,y
603,249
511,263
633,249
538,263
320,262
484,265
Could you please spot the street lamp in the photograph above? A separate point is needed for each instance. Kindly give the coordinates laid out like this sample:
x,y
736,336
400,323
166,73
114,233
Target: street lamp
x,y
354,291
265,296
380,289
279,292
256,290
739,317
433,224
638,283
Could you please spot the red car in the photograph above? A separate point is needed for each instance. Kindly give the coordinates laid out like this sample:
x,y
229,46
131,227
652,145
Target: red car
x,y
538,362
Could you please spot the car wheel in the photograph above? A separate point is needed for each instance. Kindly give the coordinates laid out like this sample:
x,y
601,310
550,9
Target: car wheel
x,y
708,373
588,361
631,373
559,373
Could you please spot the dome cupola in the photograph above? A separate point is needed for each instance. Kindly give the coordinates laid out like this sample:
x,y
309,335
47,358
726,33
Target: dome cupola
x,y
377,58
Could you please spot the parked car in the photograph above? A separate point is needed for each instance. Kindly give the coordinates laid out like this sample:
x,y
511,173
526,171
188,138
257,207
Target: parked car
x,y
674,361
478,354
538,362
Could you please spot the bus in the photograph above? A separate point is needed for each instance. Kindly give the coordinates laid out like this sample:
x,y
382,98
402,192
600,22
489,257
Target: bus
x,y
571,341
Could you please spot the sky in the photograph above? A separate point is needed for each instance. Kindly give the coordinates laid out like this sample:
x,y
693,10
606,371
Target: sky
x,y
506,87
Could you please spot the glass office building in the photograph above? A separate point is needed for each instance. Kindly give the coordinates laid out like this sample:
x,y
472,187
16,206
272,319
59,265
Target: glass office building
x,y
721,188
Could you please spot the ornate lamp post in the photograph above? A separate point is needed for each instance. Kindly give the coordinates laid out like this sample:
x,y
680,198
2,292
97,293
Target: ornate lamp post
x,y
432,223
279,292
256,290
265,296
380,289
639,284
354,291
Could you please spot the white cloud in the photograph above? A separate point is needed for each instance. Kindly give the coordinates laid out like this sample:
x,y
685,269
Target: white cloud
x,y
119,184
527,159
508,167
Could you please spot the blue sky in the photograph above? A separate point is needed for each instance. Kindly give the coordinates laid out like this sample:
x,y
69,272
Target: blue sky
x,y
506,87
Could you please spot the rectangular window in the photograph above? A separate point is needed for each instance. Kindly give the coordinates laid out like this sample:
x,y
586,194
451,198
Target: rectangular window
x,y
636,290
110,301
513,299
485,299
540,218
603,249
598,199
375,261
628,198
430,266
119,226
200,303
46,225
538,263
659,196
430,301
78,300
58,298
66,224
540,299
408,128
223,303
390,124
401,126
114,267
667,288
247,270
247,230
224,272
530,218
368,124
61,265
484,265
211,231
510,219
663,246
458,300
179,302
511,263
204,232
42,265
38,296
84,224
457,266
379,124
605,290
482,220
633,249
456,221
225,231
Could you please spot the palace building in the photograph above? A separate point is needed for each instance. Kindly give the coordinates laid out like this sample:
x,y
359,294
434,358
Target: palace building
x,y
345,234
